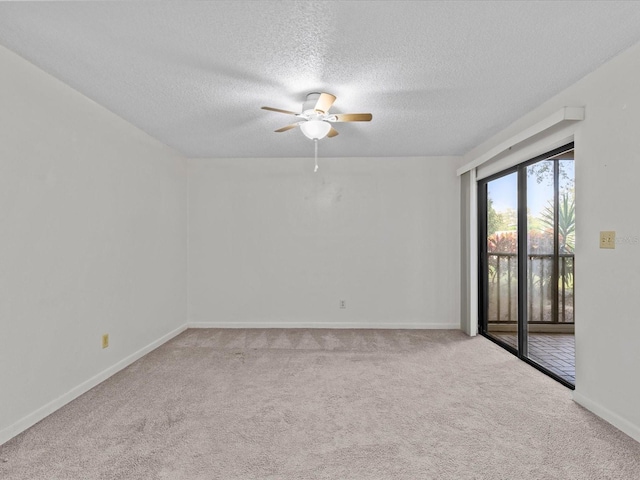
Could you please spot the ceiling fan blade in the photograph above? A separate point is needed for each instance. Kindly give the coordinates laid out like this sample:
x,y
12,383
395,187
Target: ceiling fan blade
x,y
271,109
324,102
288,127
332,133
353,117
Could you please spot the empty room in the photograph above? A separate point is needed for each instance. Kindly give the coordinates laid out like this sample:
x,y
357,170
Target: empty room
x,y
319,240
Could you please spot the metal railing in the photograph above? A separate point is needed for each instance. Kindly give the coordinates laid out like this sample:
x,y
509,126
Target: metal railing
x,y
503,288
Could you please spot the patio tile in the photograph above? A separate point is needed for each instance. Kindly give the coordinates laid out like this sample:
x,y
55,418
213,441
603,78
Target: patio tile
x,y
555,352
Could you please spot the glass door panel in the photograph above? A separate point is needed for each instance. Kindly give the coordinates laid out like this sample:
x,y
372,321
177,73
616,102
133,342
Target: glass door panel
x,y
550,244
566,237
502,259
541,208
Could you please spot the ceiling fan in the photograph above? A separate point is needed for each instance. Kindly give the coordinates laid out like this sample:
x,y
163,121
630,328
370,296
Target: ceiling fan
x,y
315,119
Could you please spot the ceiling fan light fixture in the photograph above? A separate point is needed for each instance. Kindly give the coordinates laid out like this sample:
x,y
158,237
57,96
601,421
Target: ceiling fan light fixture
x,y
315,129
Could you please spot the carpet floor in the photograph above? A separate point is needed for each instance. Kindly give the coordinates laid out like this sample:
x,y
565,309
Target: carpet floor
x,y
323,404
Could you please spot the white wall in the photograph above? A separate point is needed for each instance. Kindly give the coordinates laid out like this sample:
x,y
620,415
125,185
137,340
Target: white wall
x,y
92,241
273,244
607,281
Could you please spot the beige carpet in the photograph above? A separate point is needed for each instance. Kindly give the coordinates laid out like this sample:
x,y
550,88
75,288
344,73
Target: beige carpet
x,y
323,404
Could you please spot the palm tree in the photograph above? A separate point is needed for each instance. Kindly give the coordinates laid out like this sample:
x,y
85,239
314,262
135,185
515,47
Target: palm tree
x,y
566,231
566,221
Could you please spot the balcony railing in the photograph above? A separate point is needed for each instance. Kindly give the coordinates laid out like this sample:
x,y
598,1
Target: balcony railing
x,y
503,288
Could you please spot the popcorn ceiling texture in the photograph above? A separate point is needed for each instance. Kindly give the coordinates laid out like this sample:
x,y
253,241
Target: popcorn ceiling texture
x,y
324,404
439,77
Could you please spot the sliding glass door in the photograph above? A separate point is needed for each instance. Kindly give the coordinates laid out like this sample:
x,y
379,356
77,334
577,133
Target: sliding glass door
x,y
500,242
526,243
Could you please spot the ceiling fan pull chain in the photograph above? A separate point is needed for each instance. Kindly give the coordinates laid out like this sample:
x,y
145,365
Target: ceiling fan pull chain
x,y
315,141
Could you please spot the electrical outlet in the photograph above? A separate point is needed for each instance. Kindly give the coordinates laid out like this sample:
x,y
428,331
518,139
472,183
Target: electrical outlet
x,y
608,239
105,340
343,304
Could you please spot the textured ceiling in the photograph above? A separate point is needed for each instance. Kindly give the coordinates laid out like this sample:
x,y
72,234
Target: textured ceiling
x,y
439,77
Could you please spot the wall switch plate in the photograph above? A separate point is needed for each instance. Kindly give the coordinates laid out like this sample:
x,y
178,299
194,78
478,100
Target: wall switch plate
x,y
608,239
105,340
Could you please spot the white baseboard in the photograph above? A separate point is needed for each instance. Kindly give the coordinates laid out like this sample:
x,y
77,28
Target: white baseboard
x,y
613,418
34,417
355,325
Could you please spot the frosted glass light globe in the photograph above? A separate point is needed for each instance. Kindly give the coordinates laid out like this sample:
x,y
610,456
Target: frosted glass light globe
x,y
315,129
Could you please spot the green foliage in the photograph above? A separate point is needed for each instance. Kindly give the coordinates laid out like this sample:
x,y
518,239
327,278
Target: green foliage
x,y
566,221
497,222
543,172
494,219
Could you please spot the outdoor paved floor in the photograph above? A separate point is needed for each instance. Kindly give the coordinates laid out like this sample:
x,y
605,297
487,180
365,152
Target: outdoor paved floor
x,y
554,351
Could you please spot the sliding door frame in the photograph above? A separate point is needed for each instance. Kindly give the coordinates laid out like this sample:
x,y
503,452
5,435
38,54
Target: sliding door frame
x,y
483,289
